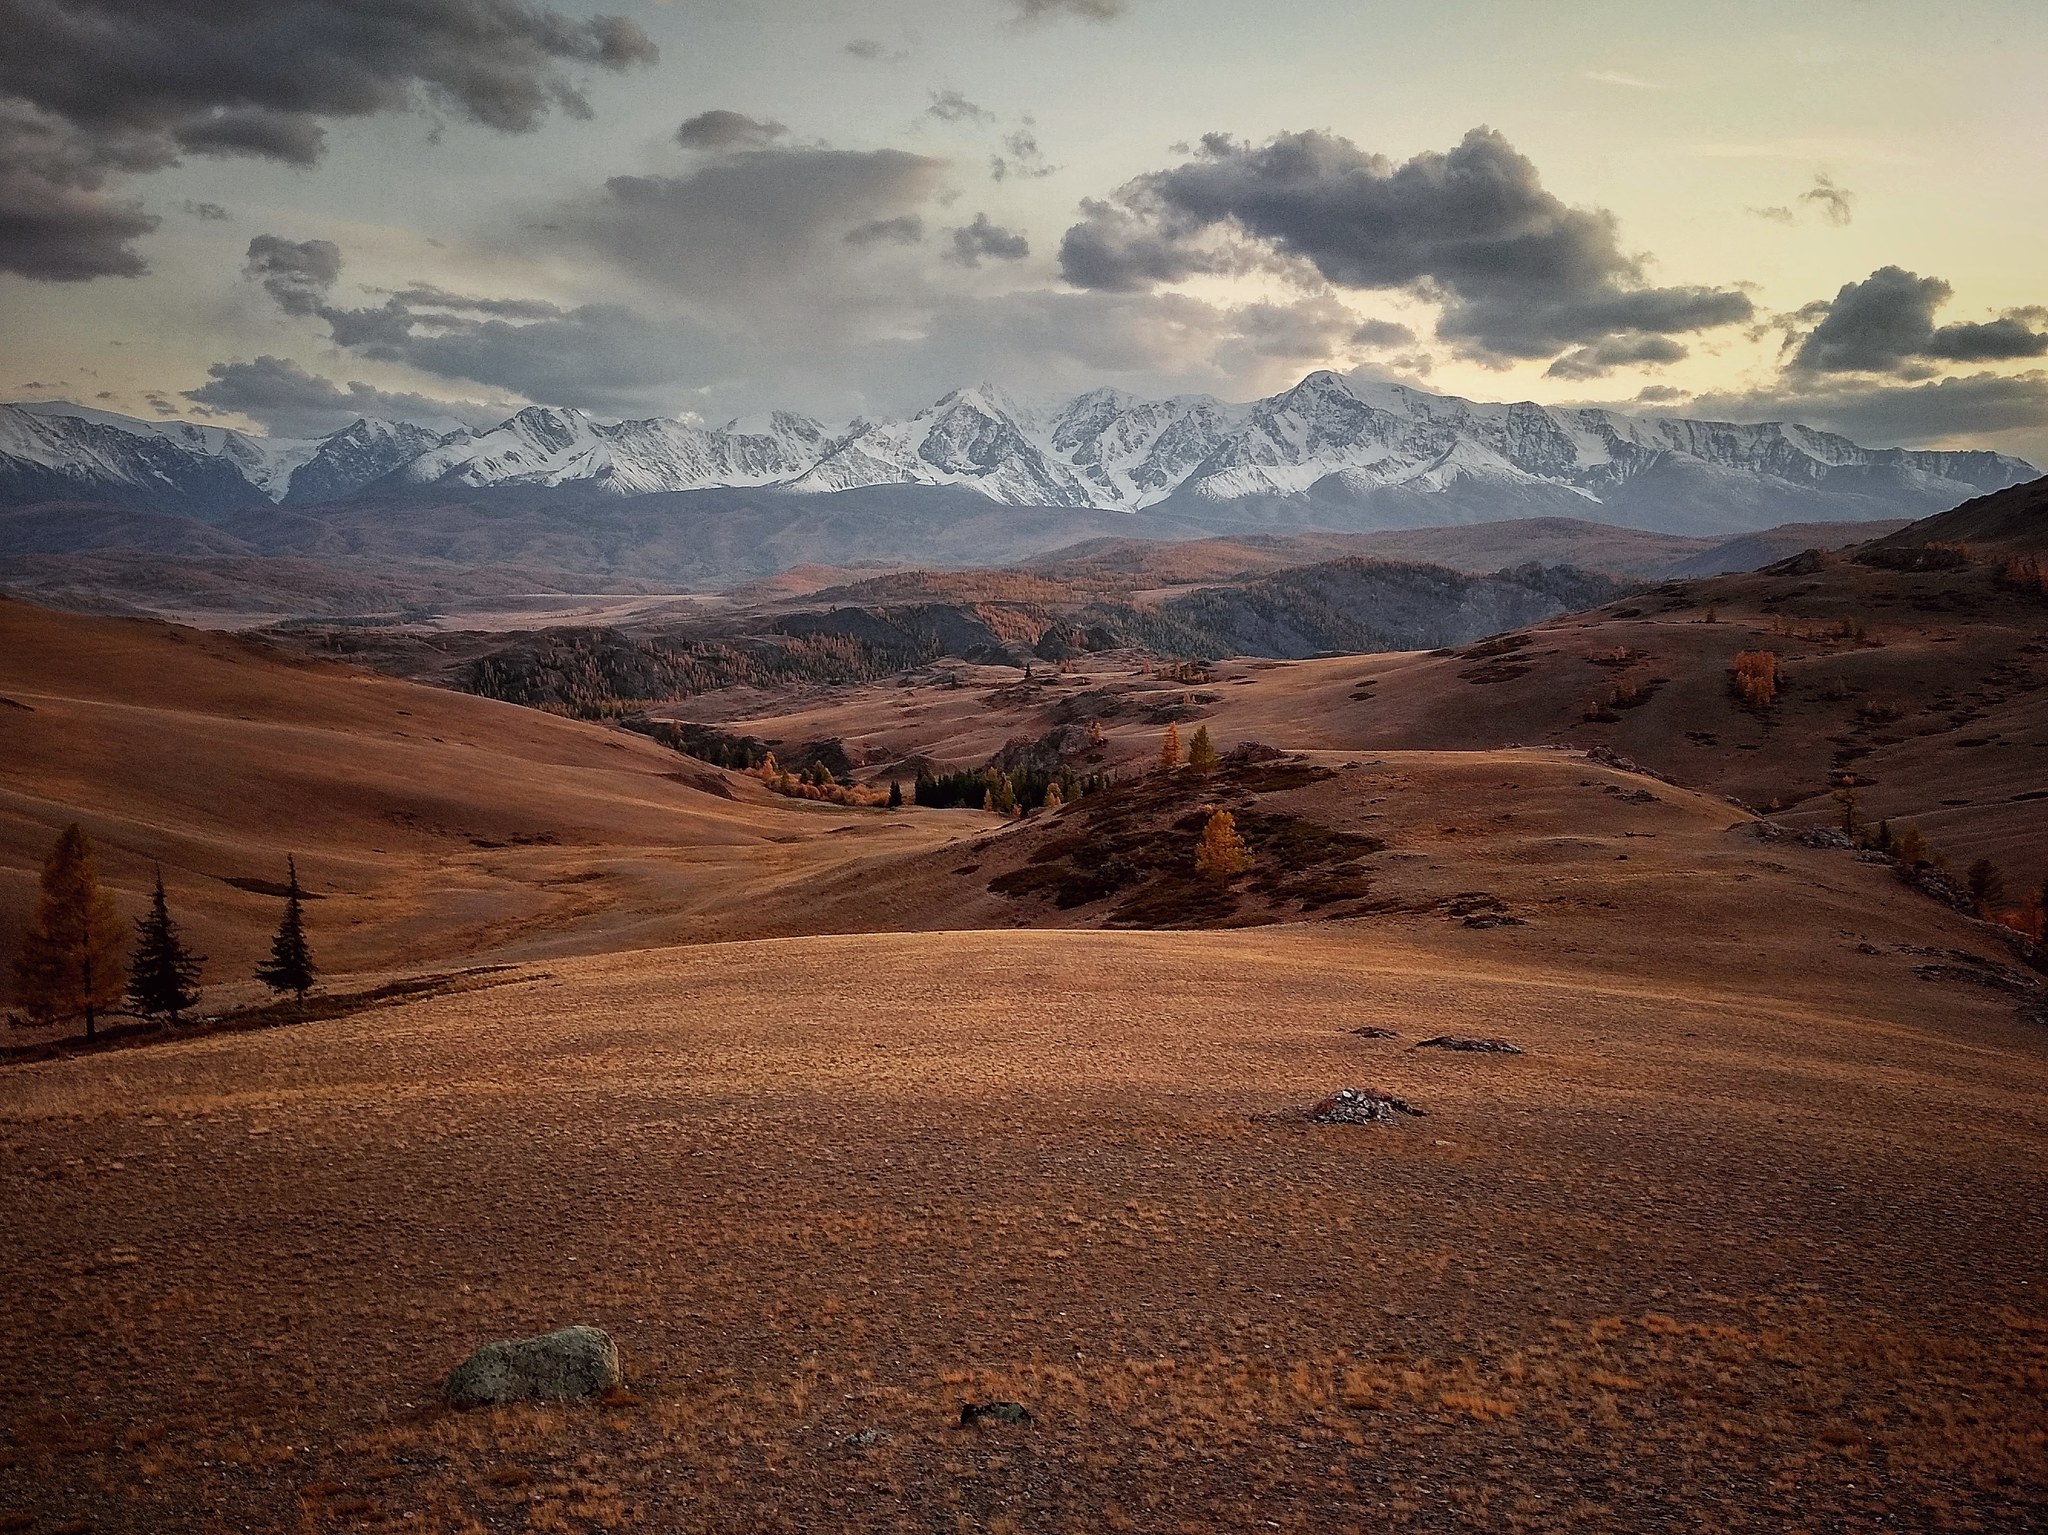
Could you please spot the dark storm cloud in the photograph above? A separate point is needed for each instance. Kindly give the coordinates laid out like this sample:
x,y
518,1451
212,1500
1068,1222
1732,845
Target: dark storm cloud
x,y
1886,322
1604,356
1520,274
298,274
1381,333
984,237
58,220
742,224
290,402
91,89
721,129
906,229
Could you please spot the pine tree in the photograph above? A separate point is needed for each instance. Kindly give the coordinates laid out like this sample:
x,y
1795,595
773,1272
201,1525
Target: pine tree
x,y
1221,855
290,966
161,975
895,794
1987,885
1169,749
1202,752
70,962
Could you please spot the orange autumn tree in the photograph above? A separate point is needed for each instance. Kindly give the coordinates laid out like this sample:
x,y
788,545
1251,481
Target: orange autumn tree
x,y
1755,675
1221,854
1169,749
71,956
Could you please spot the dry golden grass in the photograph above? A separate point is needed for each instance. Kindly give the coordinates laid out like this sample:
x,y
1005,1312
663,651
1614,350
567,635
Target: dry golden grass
x,y
1706,1256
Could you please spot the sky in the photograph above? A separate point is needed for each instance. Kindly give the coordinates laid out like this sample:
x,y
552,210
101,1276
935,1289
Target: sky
x,y
282,214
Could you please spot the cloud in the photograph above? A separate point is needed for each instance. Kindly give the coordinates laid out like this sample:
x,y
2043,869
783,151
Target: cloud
x,y
745,224
91,90
1968,408
982,238
599,357
868,48
206,211
1886,322
952,107
1381,333
287,401
298,274
1603,357
1085,10
721,129
1517,272
1023,159
905,229
1626,81
59,221
1836,204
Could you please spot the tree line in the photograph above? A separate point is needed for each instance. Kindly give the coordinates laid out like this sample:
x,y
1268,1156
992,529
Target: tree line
x,y
78,961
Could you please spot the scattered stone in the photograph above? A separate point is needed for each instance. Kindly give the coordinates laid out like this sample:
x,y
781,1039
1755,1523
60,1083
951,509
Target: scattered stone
x,y
1361,1106
866,1439
1469,1042
1370,1031
1981,974
557,1366
1495,919
974,1413
1828,837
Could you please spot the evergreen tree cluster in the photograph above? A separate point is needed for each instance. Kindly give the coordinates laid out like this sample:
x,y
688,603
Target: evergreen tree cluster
x,y
1019,790
71,965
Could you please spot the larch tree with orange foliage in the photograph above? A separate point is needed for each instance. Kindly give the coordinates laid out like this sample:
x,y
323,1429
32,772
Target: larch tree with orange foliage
x,y
71,956
1221,854
1756,677
1169,749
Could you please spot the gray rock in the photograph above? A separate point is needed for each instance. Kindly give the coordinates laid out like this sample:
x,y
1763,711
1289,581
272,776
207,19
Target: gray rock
x,y
1467,1042
555,1367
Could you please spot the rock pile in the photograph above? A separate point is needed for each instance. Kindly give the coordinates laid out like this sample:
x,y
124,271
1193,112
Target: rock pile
x,y
1360,1106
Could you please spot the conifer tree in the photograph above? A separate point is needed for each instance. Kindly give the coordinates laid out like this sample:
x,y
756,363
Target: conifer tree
x,y
1169,749
1054,799
70,961
1221,855
1202,752
162,973
895,794
1987,885
290,966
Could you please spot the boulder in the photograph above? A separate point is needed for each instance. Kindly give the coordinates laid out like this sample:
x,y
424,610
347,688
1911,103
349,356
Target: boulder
x,y
555,1367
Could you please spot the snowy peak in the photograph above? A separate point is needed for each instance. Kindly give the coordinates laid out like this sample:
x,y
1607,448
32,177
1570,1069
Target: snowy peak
x,y
1330,447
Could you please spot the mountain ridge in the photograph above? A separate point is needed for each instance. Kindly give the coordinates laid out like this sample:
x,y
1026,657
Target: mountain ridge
x,y
1331,452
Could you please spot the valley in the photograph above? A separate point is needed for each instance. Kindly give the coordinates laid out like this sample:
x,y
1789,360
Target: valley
x,y
836,1116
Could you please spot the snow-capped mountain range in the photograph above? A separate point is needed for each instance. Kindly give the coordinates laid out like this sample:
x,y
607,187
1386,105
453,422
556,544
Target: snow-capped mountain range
x,y
1332,449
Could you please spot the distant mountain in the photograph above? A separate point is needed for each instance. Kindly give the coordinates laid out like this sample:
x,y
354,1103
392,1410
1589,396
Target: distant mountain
x,y
1332,453
56,452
